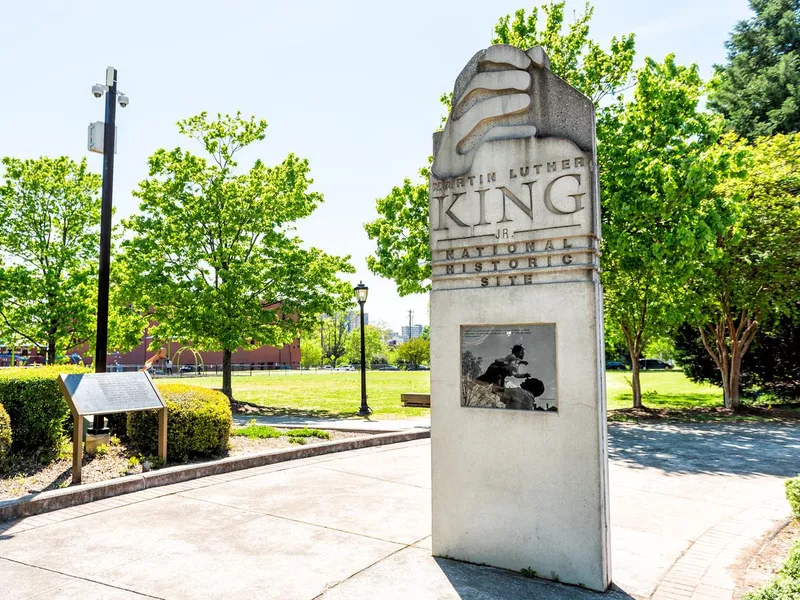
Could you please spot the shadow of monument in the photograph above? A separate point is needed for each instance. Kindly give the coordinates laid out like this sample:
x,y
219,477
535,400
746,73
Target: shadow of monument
x,y
744,449
476,582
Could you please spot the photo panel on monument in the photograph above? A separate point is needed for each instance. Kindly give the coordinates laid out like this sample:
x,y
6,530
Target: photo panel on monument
x,y
509,367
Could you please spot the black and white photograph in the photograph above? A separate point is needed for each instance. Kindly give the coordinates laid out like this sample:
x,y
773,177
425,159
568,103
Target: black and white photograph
x,y
509,366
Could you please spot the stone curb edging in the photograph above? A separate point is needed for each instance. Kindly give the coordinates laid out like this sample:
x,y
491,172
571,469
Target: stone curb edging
x,y
35,504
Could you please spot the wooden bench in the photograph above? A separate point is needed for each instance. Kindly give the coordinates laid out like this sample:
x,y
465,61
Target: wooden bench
x,y
423,400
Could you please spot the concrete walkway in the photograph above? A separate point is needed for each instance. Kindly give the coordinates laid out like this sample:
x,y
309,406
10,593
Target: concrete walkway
x,y
686,501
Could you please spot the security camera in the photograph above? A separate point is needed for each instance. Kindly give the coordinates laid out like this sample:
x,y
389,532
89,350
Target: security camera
x,y
98,90
123,100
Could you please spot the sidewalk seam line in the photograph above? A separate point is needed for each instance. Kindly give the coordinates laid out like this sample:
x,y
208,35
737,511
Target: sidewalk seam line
x,y
77,577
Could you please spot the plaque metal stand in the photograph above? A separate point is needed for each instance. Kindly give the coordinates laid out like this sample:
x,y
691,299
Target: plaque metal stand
x,y
108,393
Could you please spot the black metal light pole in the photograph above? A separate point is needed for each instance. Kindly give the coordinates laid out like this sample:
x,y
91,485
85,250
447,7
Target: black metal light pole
x,y
109,144
361,296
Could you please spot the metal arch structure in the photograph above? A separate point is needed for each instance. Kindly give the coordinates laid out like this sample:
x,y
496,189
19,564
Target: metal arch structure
x,y
198,359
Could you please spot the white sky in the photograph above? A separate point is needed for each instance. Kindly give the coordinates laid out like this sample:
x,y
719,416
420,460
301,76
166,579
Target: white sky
x,y
351,85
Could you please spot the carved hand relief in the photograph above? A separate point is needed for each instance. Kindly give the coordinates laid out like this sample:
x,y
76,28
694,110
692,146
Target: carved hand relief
x,y
494,104
513,168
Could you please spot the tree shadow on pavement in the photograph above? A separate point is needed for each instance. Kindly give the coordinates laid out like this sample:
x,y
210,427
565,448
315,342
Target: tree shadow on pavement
x,y
742,448
248,408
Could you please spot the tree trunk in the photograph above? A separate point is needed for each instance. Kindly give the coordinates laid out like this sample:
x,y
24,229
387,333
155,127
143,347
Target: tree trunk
x,y
634,351
635,382
733,399
726,384
51,352
731,338
227,387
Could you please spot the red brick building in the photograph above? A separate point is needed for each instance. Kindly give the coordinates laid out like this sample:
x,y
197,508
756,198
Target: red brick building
x,y
266,357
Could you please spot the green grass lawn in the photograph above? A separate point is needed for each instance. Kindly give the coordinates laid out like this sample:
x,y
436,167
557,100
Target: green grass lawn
x,y
661,389
339,394
327,394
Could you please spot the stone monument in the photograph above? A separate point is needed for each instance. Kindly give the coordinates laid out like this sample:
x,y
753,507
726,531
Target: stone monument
x,y
520,466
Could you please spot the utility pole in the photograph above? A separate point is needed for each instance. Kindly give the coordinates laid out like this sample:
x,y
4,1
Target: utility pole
x,y
410,320
109,146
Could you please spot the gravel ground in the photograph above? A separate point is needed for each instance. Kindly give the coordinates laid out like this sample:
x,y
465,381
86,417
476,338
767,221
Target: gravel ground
x,y
29,478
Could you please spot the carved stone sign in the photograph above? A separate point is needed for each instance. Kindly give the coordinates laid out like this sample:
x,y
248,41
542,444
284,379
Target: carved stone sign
x,y
517,325
107,393
522,211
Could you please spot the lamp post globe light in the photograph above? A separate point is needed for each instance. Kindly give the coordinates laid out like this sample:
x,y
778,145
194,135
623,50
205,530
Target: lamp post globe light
x,y
361,297
102,139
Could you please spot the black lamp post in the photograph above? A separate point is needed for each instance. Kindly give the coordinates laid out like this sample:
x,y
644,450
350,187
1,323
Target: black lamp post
x,y
361,296
112,96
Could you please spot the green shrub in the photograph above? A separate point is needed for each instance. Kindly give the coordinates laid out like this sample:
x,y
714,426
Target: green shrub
x,y
198,423
101,450
305,432
5,437
257,432
793,495
36,407
118,424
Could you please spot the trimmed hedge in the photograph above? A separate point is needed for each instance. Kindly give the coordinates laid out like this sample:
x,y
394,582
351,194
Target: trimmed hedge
x,y
198,423
793,495
36,407
5,437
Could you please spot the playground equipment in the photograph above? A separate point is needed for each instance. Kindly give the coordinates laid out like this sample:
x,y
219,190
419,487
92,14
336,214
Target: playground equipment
x,y
198,359
154,359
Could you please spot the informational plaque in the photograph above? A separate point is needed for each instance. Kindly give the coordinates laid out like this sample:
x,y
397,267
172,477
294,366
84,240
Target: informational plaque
x,y
108,393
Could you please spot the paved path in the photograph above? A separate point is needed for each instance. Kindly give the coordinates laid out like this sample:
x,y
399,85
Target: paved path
x,y
686,499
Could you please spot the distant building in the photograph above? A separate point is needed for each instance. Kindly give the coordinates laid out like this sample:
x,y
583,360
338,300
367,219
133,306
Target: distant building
x,y
353,320
395,339
411,332
263,357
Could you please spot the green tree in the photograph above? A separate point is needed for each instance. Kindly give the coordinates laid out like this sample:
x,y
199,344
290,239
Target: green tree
x,y
333,336
374,345
769,365
401,229
758,90
401,237
753,274
415,351
212,256
577,59
310,351
49,239
658,171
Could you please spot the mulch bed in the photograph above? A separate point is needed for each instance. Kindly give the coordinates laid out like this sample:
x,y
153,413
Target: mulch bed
x,y
29,477
702,414
762,565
